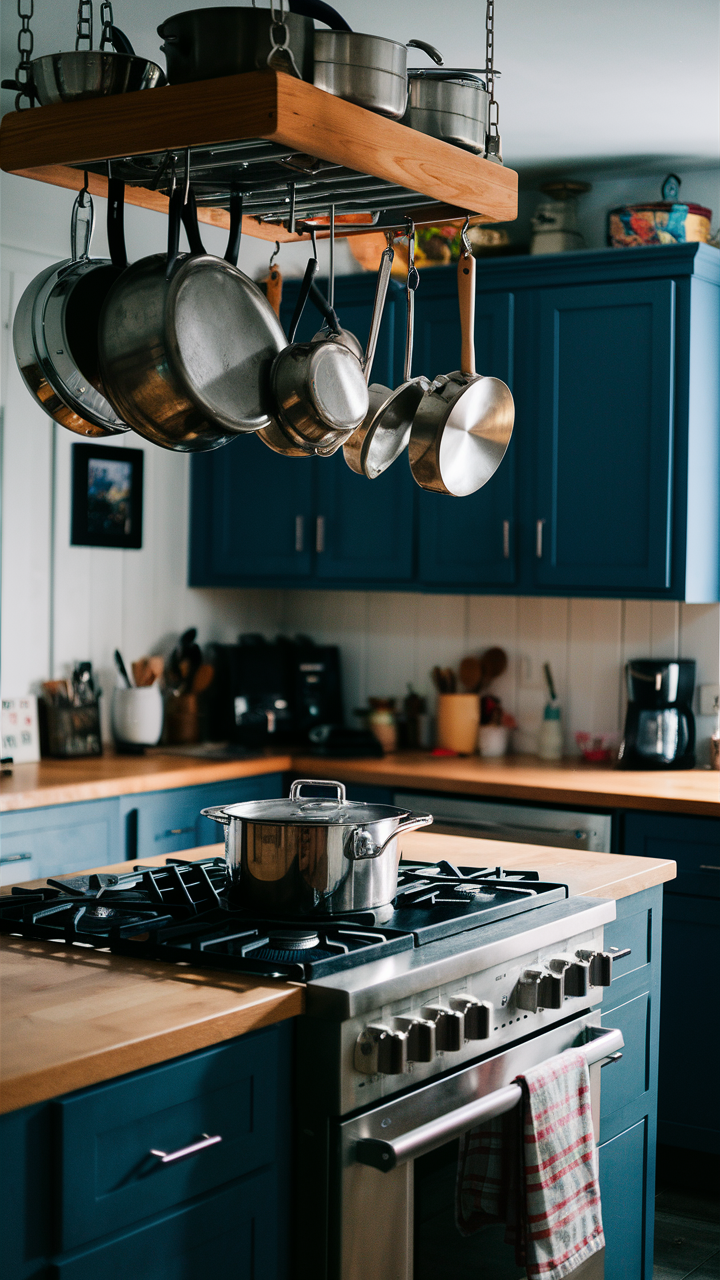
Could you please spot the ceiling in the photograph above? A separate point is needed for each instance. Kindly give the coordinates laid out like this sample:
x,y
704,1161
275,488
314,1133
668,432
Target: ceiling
x,y
586,84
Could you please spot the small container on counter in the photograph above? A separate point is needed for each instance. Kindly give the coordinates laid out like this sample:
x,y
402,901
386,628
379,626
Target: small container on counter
x,y
550,738
458,721
137,716
493,740
381,722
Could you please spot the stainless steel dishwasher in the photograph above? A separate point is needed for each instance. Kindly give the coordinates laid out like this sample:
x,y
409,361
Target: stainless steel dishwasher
x,y
526,824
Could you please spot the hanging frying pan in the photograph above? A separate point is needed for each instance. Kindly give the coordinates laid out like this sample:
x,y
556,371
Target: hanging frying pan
x,y
56,325
462,427
187,342
385,433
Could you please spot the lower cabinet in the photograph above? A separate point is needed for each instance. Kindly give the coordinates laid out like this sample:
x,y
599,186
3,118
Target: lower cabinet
x,y
622,1188
86,1194
688,1105
37,843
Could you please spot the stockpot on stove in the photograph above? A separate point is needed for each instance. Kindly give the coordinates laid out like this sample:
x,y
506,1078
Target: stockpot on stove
x,y
313,855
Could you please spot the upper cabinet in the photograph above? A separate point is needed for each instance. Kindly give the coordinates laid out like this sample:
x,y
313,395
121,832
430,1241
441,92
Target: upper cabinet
x,y
611,482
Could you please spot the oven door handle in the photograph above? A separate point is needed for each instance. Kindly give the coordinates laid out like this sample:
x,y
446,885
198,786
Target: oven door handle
x,y
385,1154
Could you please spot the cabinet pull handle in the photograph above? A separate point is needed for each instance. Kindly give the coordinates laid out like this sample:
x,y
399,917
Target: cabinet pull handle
x,y
539,538
170,1157
299,533
15,857
320,534
174,831
704,866
506,539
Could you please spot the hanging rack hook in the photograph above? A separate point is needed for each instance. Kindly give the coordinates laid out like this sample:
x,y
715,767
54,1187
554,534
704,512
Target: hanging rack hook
x,y
413,278
274,255
464,236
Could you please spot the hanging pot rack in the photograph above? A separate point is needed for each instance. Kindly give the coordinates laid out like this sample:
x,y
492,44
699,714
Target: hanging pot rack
x,y
294,150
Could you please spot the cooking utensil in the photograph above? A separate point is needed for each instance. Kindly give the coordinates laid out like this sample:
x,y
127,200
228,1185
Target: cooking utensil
x,y
122,668
313,856
187,342
319,387
367,70
201,44
88,73
463,425
56,325
203,677
448,104
471,674
549,681
385,431
494,663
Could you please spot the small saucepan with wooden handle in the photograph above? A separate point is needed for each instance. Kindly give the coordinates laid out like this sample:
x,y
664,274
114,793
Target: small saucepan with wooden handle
x,y
462,427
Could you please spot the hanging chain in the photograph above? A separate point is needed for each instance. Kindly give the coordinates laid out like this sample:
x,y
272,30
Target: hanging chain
x,y
84,28
23,74
493,144
106,17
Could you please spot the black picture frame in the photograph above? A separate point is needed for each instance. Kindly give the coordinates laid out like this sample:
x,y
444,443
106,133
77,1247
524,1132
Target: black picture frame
x,y
107,497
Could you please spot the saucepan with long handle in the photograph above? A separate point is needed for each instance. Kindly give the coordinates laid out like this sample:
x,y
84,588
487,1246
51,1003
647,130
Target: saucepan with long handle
x,y
385,433
463,425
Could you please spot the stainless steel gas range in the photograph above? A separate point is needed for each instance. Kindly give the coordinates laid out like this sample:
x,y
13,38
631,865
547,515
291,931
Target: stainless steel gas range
x,y
415,1029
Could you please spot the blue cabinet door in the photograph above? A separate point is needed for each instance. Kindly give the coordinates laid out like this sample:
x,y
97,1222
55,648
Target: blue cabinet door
x,y
37,843
621,1164
604,436
363,528
467,541
251,515
167,822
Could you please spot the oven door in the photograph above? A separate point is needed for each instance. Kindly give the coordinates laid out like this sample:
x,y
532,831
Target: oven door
x,y
398,1163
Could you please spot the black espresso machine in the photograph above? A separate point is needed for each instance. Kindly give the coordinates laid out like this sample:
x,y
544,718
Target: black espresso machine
x,y
267,692
659,723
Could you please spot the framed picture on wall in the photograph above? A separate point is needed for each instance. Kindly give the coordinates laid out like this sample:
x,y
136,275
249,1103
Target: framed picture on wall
x,y
107,497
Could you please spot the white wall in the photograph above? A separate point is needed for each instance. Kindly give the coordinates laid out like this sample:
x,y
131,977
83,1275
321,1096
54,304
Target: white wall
x,y
390,639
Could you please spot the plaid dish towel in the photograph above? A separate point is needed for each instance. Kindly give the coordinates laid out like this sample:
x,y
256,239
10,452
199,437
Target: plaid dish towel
x,y
560,1221
541,1178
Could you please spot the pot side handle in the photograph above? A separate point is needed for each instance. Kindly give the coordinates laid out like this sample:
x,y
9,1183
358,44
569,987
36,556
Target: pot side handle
x,y
217,814
363,847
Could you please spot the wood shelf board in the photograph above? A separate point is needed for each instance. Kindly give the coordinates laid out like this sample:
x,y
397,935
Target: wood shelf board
x,y
45,142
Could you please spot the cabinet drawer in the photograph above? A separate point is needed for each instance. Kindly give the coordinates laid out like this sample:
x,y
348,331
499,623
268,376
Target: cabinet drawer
x,y
169,821
693,843
36,843
627,1079
233,1233
110,1179
633,931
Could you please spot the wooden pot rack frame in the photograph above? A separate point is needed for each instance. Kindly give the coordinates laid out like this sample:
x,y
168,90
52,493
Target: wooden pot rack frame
x,y
293,150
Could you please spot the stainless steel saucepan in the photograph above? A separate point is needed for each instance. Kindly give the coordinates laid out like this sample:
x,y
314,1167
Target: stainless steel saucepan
x,y
314,856
367,70
463,425
448,104
385,433
56,326
187,342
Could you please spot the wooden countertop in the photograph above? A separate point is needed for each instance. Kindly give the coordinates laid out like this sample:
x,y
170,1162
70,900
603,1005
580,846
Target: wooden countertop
x,y
567,782
72,1017
32,786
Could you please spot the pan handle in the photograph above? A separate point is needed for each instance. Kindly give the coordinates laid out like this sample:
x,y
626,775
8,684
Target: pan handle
x,y
236,215
466,298
413,280
305,287
116,222
328,313
321,12
381,289
175,210
218,814
191,224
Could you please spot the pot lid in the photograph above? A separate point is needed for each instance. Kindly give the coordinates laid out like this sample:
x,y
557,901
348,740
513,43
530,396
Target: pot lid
x,y
315,811
447,73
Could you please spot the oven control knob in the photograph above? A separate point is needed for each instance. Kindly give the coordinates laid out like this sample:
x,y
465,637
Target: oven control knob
x,y
575,974
449,1027
381,1050
600,966
477,1014
539,989
420,1038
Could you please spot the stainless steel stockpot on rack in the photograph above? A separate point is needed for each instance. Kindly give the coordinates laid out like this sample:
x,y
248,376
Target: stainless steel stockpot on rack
x,y
313,855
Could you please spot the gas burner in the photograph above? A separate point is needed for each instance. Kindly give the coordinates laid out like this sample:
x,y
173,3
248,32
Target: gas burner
x,y
293,940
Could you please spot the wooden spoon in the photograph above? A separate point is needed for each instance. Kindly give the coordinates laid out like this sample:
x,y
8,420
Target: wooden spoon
x,y
471,674
494,663
273,289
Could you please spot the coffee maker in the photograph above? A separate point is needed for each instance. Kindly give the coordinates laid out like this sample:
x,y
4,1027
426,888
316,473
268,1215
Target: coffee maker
x,y
659,723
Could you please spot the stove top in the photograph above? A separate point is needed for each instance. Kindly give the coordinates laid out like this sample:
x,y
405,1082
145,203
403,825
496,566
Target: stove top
x,y
181,913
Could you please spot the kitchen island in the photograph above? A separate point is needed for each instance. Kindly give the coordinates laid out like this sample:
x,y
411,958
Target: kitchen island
x,y
104,1056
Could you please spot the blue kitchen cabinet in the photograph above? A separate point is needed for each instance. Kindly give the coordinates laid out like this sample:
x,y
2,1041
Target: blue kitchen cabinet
x,y
688,1109
259,517
621,1165
473,540
83,1196
59,839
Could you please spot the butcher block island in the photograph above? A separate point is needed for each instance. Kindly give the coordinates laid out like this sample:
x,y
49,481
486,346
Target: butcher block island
x,y
168,1095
